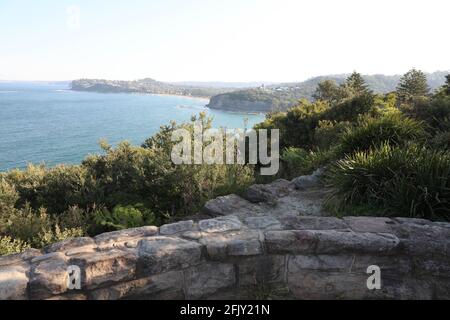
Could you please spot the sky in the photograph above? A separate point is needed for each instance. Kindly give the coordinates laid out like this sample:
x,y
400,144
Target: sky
x,y
217,40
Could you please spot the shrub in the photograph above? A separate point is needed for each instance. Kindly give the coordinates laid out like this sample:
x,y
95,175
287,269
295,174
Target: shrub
x,y
124,217
434,112
36,228
10,246
372,132
8,194
297,162
351,109
328,133
297,124
408,181
441,141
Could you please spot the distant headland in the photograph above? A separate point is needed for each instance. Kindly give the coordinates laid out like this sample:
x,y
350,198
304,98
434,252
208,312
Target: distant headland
x,y
244,97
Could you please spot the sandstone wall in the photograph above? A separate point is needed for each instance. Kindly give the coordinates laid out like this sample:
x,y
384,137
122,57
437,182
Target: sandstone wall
x,y
297,257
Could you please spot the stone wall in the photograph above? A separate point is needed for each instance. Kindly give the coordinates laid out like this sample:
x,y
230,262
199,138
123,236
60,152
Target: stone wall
x,y
255,257
274,243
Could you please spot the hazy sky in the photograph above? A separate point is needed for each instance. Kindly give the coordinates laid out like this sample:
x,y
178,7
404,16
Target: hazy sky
x,y
232,40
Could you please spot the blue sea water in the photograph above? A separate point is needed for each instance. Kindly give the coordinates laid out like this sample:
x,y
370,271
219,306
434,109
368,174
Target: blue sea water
x,y
48,123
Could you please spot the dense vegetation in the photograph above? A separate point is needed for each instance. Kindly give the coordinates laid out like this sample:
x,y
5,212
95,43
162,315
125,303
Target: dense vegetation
x,y
280,97
384,154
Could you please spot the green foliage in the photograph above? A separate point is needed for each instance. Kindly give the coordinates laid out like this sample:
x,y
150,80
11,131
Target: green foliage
x,y
372,132
328,90
351,109
386,104
328,133
124,217
297,124
40,205
37,228
356,84
9,245
441,141
297,162
409,181
412,85
446,86
435,112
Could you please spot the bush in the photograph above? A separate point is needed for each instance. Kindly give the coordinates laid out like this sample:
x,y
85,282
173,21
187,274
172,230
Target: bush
x,y
297,124
124,217
37,228
297,162
371,132
441,141
328,133
351,109
408,181
434,112
10,246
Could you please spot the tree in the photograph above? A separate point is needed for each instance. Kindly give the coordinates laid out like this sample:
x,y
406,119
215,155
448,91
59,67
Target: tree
x,y
356,84
329,91
412,85
447,85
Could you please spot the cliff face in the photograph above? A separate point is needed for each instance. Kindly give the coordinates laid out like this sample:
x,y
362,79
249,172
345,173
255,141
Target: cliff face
x,y
276,237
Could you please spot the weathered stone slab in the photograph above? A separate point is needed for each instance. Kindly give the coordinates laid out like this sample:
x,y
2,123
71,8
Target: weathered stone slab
x,y
330,241
333,241
244,248
70,244
192,235
48,277
161,254
260,270
174,228
119,238
222,224
228,205
312,223
433,268
217,243
265,222
422,237
308,182
395,265
19,258
166,286
290,241
320,263
49,256
315,284
80,250
102,268
260,193
13,282
207,279
370,224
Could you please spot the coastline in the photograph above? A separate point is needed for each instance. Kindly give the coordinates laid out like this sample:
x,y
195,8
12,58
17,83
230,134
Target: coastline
x,y
204,99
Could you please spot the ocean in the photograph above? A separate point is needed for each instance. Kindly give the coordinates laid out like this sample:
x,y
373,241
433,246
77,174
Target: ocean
x,y
49,123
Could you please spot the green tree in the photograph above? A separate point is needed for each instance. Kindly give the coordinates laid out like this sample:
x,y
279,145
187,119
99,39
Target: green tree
x,y
356,84
329,91
447,85
412,85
